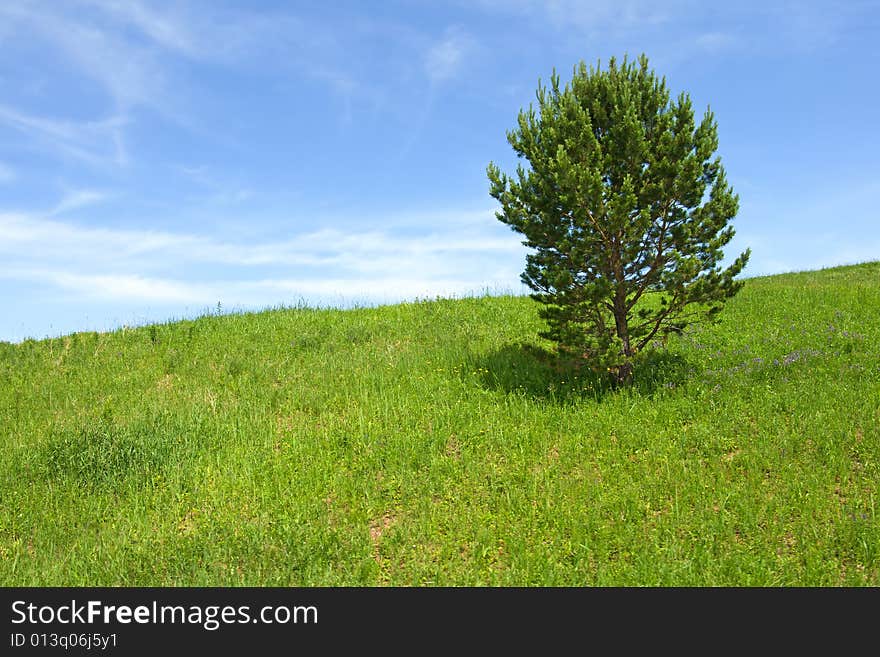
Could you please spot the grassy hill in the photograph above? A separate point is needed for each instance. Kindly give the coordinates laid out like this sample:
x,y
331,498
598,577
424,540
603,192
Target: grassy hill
x,y
434,444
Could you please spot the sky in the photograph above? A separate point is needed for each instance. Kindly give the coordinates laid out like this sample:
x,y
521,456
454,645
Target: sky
x,y
162,160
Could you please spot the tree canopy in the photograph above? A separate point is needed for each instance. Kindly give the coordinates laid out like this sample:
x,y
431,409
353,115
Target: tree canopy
x,y
627,209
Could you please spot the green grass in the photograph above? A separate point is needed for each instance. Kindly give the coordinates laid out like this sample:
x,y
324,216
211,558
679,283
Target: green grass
x,y
433,443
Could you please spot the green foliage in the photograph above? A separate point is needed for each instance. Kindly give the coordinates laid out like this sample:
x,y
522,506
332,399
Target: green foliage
x,y
626,209
101,454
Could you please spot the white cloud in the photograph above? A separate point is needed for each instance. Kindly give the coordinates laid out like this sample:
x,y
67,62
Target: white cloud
x,y
94,142
117,287
136,54
77,199
129,72
134,289
361,251
618,15
445,58
7,174
222,191
128,49
198,174
164,28
125,264
656,27
714,42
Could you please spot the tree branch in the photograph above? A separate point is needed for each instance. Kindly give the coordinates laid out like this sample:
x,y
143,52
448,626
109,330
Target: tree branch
x,y
656,263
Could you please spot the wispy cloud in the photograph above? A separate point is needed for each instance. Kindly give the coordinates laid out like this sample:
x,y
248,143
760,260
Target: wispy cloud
x,y
94,142
76,199
616,15
445,58
256,293
166,28
220,191
114,287
128,71
656,27
136,55
360,251
133,265
714,42
7,174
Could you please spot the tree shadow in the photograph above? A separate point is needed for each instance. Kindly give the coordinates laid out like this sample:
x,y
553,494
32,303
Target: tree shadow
x,y
542,374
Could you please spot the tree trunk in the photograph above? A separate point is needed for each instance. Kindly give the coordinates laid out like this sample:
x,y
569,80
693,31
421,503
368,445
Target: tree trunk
x,y
623,373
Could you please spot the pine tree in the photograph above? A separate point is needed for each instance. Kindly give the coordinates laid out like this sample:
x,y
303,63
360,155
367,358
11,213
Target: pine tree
x,y
627,210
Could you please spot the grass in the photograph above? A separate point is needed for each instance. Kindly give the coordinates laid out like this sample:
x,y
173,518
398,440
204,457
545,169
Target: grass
x,y
433,443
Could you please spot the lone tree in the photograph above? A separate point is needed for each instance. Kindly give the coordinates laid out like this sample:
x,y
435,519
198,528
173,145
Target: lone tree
x,y
626,209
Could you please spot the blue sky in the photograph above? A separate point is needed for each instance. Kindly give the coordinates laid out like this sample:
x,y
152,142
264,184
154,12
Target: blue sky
x,y
159,158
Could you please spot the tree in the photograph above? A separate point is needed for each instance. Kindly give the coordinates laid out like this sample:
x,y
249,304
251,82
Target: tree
x,y
626,209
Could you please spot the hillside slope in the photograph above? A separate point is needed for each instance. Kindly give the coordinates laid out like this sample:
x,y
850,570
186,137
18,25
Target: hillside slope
x,y
434,444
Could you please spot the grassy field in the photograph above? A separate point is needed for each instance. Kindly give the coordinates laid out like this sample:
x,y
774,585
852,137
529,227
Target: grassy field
x,y
433,443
